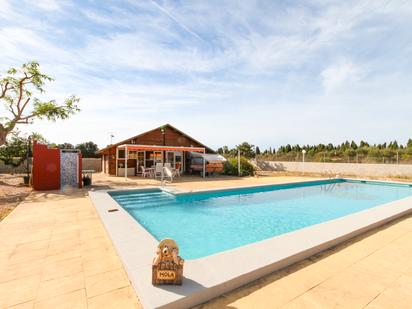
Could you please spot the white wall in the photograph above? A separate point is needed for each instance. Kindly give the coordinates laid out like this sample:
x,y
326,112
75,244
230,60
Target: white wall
x,y
355,169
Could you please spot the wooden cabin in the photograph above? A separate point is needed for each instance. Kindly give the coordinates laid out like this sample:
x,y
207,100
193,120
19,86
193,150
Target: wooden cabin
x,y
165,144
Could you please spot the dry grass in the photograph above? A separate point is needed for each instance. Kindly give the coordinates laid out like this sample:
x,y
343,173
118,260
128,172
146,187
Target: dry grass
x,y
12,192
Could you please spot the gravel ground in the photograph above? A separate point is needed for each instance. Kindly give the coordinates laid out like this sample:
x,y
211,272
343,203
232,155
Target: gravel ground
x,y
12,192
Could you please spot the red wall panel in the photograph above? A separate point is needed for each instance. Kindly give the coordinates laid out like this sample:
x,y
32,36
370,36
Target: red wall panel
x,y
46,167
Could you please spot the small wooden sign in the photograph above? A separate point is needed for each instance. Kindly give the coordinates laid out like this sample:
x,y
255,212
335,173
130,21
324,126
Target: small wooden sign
x,y
167,267
166,275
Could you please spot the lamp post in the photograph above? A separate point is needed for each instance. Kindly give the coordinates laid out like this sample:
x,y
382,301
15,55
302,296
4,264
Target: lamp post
x,y
303,161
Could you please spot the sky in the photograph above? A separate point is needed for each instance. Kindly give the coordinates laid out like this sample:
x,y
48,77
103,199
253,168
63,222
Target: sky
x,y
224,72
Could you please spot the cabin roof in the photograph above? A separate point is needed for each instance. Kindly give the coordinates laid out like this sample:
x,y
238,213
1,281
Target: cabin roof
x,y
158,128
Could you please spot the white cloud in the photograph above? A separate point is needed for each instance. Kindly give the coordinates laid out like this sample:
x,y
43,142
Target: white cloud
x,y
47,5
340,74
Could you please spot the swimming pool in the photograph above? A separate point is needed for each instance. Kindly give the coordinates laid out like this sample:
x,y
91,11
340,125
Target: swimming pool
x,y
206,223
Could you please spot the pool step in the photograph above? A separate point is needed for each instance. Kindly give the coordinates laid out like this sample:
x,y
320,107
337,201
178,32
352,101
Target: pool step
x,y
144,200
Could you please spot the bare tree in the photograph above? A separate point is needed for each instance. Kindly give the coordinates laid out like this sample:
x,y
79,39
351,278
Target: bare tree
x,y
17,89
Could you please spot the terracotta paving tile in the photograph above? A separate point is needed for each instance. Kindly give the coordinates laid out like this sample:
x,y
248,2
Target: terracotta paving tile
x,y
73,300
97,253
106,282
57,236
398,295
63,246
55,287
63,256
62,268
20,270
121,298
103,264
351,288
18,291
399,260
27,256
35,236
33,245
26,305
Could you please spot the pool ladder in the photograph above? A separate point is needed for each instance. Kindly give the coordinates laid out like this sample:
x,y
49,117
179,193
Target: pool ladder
x,y
329,187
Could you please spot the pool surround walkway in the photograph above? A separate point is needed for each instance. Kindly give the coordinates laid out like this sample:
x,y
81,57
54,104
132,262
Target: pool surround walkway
x,y
211,276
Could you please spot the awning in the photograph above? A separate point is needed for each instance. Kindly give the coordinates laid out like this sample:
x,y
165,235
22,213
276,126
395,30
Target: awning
x,y
211,158
162,148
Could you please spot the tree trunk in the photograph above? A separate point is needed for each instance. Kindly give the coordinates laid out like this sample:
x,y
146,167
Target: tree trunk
x,y
3,135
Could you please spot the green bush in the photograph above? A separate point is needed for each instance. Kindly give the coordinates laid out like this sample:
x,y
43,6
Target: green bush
x,y
230,167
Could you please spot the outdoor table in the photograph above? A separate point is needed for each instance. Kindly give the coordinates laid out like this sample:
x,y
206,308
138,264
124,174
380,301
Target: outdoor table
x,y
151,171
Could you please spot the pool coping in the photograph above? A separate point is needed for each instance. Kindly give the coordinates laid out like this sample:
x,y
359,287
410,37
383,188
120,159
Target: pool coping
x,y
211,276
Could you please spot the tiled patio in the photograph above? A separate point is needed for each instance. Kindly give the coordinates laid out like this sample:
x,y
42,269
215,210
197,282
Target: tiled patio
x,y
55,253
372,271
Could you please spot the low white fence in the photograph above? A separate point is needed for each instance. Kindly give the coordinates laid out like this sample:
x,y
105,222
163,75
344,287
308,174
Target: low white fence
x,y
352,169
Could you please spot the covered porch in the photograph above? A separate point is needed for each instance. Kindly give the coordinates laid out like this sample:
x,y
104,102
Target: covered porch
x,y
132,159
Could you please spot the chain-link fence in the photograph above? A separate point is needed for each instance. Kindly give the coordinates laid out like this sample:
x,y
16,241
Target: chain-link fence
x,y
393,157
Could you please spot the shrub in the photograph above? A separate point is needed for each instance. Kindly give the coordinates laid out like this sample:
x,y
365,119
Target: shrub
x,y
230,167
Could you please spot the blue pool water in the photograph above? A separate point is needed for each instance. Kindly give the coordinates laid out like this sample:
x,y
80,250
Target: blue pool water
x,y
207,223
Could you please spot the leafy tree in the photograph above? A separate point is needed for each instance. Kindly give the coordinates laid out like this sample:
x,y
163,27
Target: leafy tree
x,y
353,145
38,137
64,146
363,144
17,90
409,143
231,167
393,145
14,151
257,150
246,150
88,149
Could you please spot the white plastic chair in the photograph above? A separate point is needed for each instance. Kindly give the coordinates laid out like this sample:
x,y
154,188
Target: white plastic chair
x,y
145,173
168,165
168,173
158,170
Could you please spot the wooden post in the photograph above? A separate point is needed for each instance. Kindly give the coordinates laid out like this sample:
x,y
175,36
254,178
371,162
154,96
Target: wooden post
x,y
117,160
125,162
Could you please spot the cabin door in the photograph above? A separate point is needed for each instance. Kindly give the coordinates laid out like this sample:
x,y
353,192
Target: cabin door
x,y
170,158
175,158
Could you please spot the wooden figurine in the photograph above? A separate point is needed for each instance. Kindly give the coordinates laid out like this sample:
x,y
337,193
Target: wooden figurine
x,y
167,266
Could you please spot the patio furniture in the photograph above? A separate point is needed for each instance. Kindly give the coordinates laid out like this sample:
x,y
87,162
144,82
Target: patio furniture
x,y
176,172
168,165
168,173
145,172
158,170
151,171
